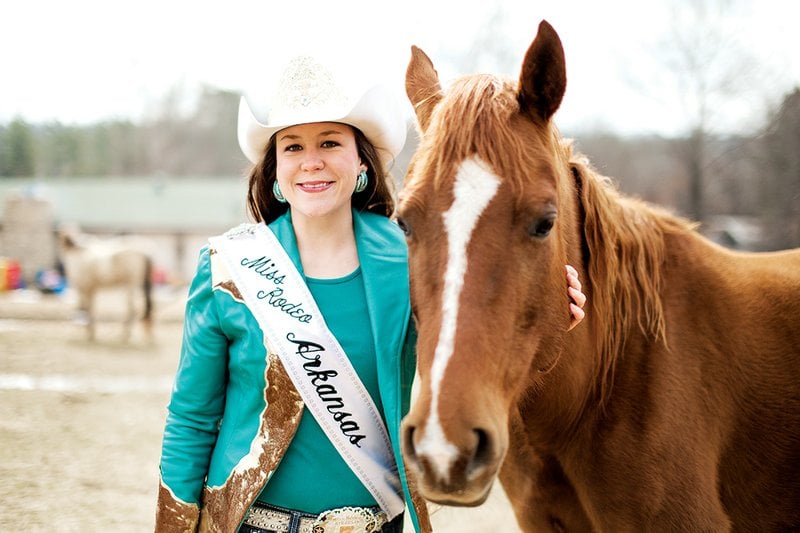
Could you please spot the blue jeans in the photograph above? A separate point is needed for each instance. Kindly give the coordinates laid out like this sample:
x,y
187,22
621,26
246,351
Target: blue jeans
x,y
395,526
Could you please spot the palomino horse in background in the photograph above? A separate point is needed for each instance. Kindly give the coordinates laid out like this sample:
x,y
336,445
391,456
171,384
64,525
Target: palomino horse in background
x,y
674,406
92,264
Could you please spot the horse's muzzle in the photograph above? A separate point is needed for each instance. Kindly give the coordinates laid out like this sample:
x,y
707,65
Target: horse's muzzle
x,y
449,474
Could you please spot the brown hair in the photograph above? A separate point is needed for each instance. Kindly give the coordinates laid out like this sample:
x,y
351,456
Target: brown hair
x,y
377,198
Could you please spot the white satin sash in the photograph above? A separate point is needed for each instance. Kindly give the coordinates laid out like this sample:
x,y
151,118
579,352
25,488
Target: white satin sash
x,y
292,324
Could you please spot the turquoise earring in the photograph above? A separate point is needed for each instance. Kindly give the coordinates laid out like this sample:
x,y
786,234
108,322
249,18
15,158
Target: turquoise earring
x,y
361,181
276,190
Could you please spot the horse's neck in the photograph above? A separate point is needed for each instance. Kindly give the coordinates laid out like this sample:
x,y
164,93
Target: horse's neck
x,y
569,407
554,404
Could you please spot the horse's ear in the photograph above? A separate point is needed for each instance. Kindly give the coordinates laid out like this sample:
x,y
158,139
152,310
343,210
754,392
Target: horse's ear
x,y
543,78
422,86
67,241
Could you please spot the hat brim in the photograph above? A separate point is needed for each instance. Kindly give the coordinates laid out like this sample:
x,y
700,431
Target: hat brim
x,y
377,114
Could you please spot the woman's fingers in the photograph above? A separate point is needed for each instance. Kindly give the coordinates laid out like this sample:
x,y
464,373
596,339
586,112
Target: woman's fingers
x,y
577,296
578,299
577,315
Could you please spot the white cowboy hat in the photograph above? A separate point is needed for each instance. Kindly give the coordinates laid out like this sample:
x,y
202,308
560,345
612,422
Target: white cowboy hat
x,y
308,92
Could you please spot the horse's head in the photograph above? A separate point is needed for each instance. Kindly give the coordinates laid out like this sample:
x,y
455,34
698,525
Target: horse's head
x,y
488,220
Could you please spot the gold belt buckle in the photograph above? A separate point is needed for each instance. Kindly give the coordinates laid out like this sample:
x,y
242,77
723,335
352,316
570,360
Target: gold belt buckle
x,y
349,520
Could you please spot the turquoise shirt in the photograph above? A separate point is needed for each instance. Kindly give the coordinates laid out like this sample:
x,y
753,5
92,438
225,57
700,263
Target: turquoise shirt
x,y
312,476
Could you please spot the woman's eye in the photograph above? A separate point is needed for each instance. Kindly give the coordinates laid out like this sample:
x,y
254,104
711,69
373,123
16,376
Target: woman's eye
x,y
293,148
330,144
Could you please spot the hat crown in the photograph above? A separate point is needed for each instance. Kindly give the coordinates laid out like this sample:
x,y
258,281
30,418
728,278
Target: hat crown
x,y
304,85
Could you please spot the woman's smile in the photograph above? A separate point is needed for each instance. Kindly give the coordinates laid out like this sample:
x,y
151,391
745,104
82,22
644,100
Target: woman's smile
x,y
315,186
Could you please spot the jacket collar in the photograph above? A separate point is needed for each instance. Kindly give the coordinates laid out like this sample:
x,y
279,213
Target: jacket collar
x,y
384,263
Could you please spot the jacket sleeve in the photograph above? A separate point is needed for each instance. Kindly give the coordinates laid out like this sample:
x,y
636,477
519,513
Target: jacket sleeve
x,y
195,408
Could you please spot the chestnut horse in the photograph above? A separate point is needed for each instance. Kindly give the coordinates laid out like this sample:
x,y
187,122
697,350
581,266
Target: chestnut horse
x,y
674,406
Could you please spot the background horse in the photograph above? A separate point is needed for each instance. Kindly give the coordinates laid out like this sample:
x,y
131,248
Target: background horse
x,y
674,406
92,264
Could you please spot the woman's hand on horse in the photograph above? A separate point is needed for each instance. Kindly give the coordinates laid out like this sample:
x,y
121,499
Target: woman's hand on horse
x,y
577,298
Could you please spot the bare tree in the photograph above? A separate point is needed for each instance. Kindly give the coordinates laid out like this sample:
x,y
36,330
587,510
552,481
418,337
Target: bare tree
x,y
710,69
781,186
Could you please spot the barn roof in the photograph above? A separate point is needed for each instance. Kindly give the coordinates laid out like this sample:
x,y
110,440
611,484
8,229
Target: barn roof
x,y
147,204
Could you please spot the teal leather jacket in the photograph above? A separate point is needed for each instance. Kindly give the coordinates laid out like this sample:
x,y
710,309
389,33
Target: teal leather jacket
x,y
234,410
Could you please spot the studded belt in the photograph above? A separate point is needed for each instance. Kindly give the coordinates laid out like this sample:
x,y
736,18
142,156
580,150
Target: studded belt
x,y
341,520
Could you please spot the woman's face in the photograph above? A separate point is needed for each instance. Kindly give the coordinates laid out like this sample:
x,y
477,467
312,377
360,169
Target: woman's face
x,y
317,165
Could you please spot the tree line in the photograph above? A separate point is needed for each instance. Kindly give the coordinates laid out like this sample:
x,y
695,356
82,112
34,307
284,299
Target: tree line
x,y
754,176
172,143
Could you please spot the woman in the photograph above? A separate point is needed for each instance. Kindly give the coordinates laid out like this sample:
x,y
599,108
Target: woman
x,y
297,355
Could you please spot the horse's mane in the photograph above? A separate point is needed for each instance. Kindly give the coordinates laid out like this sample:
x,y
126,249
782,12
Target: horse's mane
x,y
625,238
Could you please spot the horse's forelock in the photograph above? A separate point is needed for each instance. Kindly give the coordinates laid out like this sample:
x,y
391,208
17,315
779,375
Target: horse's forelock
x,y
476,117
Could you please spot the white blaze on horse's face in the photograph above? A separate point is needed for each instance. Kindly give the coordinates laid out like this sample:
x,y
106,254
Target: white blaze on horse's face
x,y
474,187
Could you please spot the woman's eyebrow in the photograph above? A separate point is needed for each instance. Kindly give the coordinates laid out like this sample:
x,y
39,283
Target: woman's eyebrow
x,y
291,136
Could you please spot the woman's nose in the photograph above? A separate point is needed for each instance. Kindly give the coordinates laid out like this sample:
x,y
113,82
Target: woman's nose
x,y
311,161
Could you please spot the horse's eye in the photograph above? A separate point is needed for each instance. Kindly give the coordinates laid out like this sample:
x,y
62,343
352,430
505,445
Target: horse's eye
x,y
541,228
404,226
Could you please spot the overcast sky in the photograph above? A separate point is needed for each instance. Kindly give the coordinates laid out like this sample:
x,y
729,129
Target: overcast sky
x,y
84,60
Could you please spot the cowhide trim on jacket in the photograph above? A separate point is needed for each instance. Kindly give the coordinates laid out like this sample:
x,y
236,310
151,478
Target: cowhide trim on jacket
x,y
224,507
175,515
419,503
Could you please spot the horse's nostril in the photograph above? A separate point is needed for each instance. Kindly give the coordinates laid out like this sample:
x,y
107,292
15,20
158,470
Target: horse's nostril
x,y
482,454
408,442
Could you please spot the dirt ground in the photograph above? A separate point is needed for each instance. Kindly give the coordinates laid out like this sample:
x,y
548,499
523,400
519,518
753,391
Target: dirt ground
x,y
81,422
